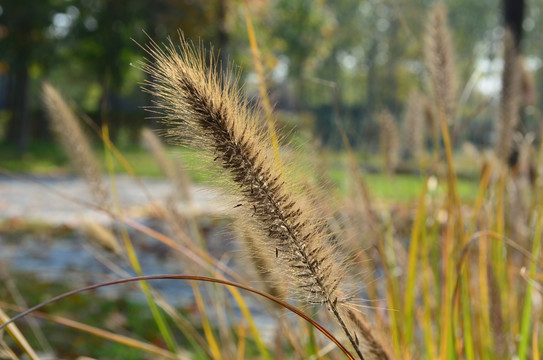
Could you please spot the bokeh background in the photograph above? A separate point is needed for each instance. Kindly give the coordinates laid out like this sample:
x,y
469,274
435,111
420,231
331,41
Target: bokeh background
x,y
355,104
372,50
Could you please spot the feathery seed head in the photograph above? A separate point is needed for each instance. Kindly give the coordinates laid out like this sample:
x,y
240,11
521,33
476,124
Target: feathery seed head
x,y
212,115
253,242
528,91
67,129
440,60
196,104
413,124
389,140
430,118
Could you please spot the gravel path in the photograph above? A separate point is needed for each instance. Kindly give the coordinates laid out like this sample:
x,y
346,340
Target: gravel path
x,y
68,258
35,201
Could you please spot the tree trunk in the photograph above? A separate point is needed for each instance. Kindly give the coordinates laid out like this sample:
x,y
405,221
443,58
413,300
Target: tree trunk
x,y
513,16
19,129
222,34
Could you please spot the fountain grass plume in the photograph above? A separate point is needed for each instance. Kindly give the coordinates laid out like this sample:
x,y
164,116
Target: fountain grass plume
x,y
413,125
528,90
440,60
68,131
252,242
389,140
203,109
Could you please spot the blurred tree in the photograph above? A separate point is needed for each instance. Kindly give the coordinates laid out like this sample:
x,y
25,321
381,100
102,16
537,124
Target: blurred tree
x,y
85,46
513,15
300,31
101,40
372,49
23,45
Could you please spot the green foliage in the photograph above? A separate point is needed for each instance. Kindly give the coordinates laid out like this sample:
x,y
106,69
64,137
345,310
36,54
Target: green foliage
x,y
91,310
42,158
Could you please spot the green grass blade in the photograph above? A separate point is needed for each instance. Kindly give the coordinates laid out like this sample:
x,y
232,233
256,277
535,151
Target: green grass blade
x,y
131,252
410,288
527,309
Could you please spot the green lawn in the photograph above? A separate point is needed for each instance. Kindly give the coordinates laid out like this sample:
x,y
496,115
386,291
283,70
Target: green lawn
x,y
49,159
407,187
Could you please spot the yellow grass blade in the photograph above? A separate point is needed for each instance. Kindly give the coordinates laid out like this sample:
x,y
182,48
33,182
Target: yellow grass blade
x,y
195,250
465,304
446,348
247,315
208,332
535,337
241,341
427,284
206,257
483,324
262,84
497,250
131,252
186,277
410,288
185,326
121,339
19,338
527,315
465,294
485,332
392,290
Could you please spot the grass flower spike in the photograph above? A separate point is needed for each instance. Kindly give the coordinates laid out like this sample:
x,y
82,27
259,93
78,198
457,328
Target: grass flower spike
x,y
440,60
208,112
389,140
67,129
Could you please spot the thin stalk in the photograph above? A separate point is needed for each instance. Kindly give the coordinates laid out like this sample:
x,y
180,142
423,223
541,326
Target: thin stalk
x,y
241,342
527,308
535,337
469,347
311,346
410,285
485,330
19,338
250,321
426,286
120,339
184,277
262,85
447,312
208,332
131,252
483,323
393,292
